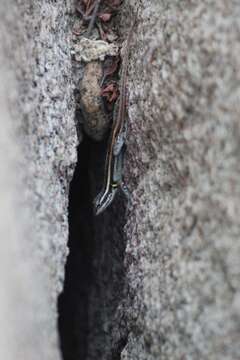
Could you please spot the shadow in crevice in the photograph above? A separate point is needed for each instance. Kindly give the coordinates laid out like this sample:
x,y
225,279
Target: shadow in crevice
x,y
73,302
94,285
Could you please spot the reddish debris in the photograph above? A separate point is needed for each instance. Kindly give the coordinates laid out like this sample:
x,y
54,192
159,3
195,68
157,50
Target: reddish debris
x,y
110,92
108,7
105,17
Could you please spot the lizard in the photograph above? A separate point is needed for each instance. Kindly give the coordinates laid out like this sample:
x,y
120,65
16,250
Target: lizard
x,y
114,157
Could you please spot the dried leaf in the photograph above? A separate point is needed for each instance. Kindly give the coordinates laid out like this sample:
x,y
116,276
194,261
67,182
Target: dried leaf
x,y
105,17
110,92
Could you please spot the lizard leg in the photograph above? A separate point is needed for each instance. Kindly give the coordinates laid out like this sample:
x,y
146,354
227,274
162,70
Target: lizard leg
x,y
118,175
120,140
126,192
118,167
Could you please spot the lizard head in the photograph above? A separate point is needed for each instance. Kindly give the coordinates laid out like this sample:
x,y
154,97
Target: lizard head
x,y
103,200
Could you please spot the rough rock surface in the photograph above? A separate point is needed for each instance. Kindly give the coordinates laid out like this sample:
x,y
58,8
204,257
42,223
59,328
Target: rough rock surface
x,y
163,282
38,152
183,231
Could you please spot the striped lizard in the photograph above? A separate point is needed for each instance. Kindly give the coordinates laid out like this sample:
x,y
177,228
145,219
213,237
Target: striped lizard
x,y
114,158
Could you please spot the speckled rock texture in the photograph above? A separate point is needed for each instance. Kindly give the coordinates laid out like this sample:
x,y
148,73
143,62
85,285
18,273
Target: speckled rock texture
x,y
37,156
164,280
183,166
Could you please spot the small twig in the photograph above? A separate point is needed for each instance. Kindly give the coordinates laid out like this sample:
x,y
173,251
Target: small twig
x,y
102,33
85,16
93,19
90,8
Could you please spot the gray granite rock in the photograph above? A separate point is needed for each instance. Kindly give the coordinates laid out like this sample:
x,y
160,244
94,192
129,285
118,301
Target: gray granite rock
x,y
167,287
183,231
38,152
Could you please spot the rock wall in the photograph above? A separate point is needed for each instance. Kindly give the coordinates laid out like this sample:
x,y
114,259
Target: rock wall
x,y
162,275
38,153
183,231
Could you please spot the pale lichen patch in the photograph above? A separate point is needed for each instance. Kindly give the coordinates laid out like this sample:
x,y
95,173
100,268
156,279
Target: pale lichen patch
x,y
90,50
